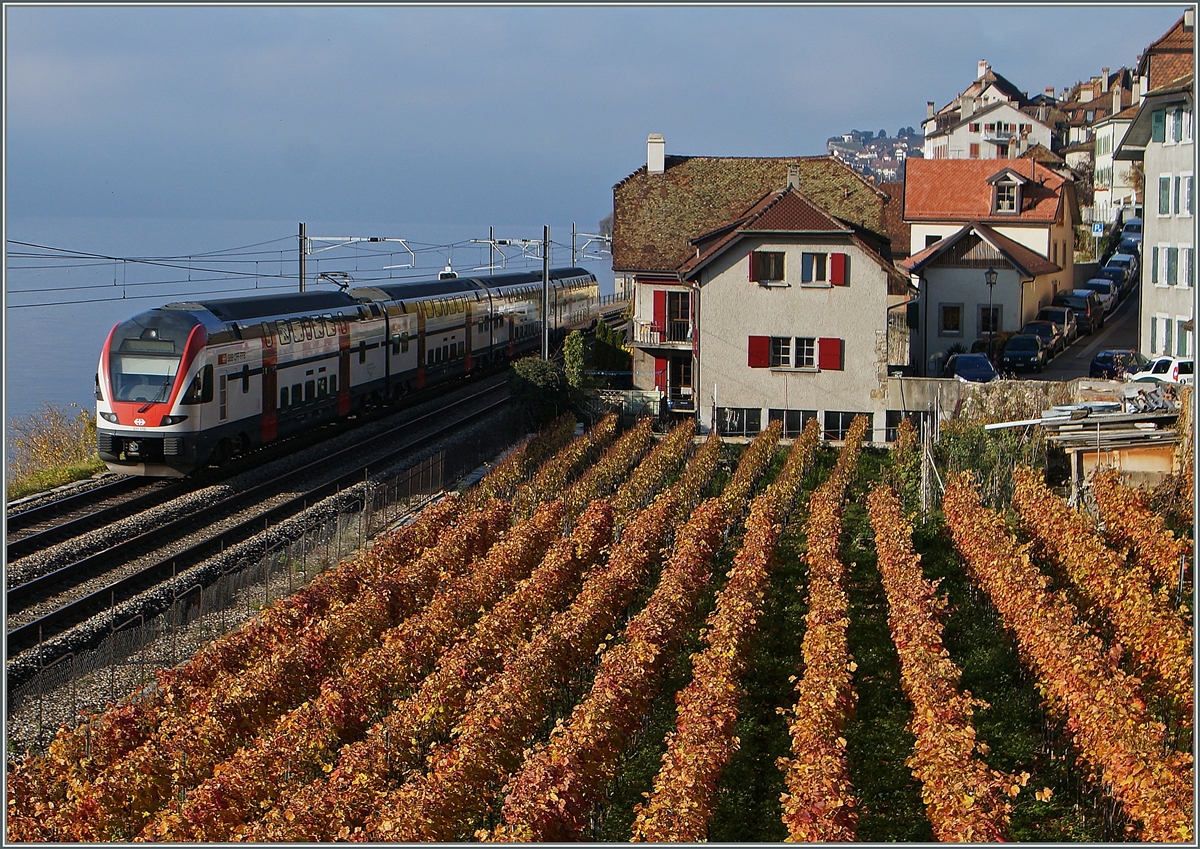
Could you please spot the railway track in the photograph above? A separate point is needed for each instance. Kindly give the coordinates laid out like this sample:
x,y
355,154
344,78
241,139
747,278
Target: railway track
x,y
48,604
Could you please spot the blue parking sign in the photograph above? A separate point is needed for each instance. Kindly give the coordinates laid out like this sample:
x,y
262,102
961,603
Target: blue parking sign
x,y
1097,228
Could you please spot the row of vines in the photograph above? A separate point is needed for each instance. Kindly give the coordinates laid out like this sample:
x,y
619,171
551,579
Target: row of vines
x,y
614,636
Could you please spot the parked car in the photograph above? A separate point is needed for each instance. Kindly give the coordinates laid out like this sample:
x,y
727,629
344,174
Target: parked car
x,y
1117,364
1129,262
1108,291
1064,317
1131,246
1132,229
1116,274
1024,352
974,368
1089,312
1167,370
1050,333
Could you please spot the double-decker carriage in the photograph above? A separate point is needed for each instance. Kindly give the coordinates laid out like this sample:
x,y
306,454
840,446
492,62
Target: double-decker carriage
x,y
190,383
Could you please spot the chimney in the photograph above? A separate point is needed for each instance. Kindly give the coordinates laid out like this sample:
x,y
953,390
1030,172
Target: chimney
x,y
928,110
1087,91
966,103
1137,90
1116,100
656,154
983,69
1189,19
793,177
1050,92
1104,81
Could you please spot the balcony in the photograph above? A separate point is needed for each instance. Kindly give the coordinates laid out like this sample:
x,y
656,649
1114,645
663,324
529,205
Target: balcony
x,y
680,399
677,334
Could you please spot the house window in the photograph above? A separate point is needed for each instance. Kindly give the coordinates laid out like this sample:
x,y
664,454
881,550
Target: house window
x,y
806,352
975,128
989,319
824,269
837,423
1187,126
932,239
1006,197
1182,338
892,419
1183,194
739,421
950,319
974,147
814,268
1168,327
1172,276
793,420
1186,261
1158,126
766,267
781,351
1164,194
1177,125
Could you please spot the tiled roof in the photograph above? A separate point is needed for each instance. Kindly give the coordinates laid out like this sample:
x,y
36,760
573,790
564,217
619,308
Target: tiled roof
x,y
958,190
1027,261
783,211
1168,58
1043,154
656,215
894,225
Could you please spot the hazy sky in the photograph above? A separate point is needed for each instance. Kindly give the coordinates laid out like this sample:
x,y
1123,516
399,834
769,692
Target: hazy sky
x,y
467,115
144,131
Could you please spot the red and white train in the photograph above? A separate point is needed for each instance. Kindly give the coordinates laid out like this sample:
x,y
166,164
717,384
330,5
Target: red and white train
x,y
191,383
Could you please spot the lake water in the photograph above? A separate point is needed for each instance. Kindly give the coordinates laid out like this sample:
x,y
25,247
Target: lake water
x,y
59,311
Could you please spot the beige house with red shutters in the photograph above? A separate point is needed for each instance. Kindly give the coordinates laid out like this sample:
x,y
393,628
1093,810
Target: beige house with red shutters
x,y
762,291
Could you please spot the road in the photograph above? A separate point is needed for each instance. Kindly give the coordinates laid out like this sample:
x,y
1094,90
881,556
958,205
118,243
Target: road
x,y
1120,331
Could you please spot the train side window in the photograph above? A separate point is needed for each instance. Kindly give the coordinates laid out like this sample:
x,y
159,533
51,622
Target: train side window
x,y
362,352
318,327
429,357
333,384
404,342
343,324
310,390
297,330
395,344
283,331
322,387
331,328
268,339
283,397
445,353
245,379
296,397
308,328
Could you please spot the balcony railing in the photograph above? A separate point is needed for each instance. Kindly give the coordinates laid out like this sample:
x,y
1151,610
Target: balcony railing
x,y
680,399
676,334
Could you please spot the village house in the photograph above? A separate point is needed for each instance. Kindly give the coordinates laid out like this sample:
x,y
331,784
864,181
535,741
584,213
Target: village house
x,y
986,121
762,290
1161,140
968,218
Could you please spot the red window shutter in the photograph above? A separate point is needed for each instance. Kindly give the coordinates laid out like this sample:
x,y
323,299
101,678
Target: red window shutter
x,y
660,374
839,269
753,266
760,352
829,354
660,311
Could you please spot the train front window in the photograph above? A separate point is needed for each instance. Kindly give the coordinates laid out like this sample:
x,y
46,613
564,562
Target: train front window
x,y
145,353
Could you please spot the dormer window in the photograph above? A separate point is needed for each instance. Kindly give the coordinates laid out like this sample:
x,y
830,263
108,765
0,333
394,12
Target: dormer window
x,y
1006,198
1006,191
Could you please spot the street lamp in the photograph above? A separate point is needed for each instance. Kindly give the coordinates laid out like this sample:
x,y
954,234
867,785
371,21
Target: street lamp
x,y
989,277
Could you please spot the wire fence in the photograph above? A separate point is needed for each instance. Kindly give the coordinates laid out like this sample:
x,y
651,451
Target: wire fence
x,y
125,660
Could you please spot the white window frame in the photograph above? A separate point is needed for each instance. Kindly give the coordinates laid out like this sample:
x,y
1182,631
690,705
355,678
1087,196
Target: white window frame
x,y
1187,261
1187,194
1182,336
1169,127
781,352
806,352
1188,128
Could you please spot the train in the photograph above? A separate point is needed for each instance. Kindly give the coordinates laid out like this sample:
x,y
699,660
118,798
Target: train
x,y
195,383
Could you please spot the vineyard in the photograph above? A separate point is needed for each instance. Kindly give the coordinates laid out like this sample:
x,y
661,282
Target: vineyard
x,y
616,636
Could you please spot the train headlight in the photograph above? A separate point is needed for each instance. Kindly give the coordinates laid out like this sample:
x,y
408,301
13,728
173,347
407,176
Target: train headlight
x,y
172,420
109,417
